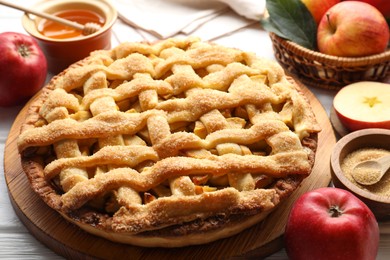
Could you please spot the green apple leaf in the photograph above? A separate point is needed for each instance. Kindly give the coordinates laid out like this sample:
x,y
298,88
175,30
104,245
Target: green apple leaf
x,y
290,19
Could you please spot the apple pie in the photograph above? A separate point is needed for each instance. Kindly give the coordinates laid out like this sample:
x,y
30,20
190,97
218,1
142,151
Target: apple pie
x,y
169,144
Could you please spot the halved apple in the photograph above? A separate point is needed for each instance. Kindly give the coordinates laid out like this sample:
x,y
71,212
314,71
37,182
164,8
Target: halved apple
x,y
363,104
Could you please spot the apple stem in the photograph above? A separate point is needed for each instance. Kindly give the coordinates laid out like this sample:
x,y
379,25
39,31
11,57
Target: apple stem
x,y
335,211
330,24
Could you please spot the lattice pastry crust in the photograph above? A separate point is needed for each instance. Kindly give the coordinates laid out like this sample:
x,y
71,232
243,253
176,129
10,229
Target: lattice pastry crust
x,y
168,144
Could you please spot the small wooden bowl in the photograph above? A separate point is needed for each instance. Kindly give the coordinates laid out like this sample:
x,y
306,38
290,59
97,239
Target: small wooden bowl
x,y
366,138
60,53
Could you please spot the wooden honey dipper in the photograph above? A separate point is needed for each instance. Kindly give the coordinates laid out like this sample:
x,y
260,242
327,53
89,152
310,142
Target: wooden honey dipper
x,y
86,29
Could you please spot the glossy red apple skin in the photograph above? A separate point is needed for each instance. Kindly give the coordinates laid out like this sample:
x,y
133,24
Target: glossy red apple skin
x,y
382,5
318,8
354,125
352,29
355,114
312,233
23,68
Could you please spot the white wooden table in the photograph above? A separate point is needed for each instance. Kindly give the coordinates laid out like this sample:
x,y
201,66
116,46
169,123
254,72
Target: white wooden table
x,y
15,240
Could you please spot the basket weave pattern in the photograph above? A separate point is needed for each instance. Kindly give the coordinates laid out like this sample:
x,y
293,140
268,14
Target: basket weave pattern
x,y
326,71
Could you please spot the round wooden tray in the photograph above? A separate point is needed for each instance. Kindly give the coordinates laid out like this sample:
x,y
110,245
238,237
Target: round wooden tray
x,y
337,125
71,242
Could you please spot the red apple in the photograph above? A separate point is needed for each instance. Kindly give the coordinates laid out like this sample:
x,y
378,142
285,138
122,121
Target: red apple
x,y
23,68
382,5
363,104
331,223
352,29
318,8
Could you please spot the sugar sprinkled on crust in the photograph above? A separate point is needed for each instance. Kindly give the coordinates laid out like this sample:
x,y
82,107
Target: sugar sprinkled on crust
x,y
149,142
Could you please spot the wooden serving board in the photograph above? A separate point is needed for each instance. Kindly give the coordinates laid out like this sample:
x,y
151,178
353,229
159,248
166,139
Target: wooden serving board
x,y
71,242
338,127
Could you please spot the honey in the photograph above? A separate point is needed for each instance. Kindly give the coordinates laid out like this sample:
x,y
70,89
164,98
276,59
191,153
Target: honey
x,y
382,187
59,31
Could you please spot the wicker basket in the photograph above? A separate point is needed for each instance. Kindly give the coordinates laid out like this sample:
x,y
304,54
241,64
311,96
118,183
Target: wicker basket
x,y
320,70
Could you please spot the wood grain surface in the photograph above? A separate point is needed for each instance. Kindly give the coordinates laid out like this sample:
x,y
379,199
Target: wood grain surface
x,y
71,242
338,127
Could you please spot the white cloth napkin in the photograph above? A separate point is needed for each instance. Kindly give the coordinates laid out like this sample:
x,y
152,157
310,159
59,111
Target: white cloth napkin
x,y
165,18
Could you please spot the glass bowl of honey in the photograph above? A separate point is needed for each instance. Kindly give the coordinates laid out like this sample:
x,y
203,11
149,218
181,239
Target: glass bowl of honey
x,y
357,147
64,45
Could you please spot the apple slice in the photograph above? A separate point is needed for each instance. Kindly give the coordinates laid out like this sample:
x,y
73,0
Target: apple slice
x,y
363,104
